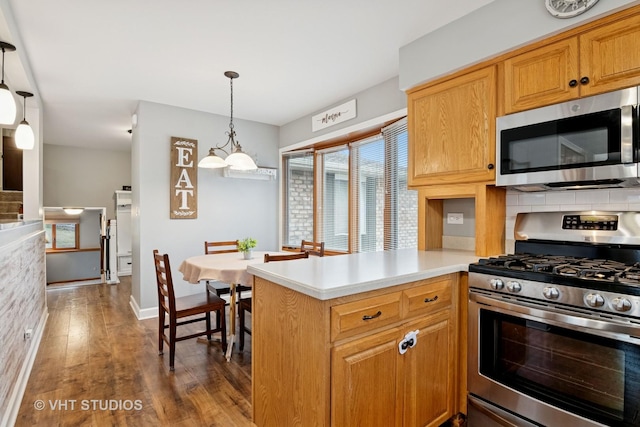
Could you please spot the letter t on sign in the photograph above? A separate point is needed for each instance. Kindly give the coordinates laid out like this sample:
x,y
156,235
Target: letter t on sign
x,y
184,179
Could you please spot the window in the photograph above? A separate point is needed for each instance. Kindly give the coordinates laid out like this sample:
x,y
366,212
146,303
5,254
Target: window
x,y
369,195
298,198
61,235
333,209
363,203
402,216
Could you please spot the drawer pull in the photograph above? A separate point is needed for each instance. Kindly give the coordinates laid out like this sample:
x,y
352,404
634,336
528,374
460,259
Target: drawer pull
x,y
431,299
367,317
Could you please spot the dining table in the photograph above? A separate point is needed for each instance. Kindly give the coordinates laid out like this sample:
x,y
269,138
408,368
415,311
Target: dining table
x,y
230,268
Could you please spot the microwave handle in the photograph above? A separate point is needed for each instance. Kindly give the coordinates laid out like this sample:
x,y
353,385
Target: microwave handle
x,y
626,134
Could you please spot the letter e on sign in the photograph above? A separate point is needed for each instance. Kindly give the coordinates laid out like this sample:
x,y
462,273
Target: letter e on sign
x,y
183,191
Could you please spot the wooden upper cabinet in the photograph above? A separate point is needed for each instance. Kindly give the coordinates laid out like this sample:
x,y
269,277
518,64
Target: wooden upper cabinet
x,y
452,130
541,76
601,59
610,56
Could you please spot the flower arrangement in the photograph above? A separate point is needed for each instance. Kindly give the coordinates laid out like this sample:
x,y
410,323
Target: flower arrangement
x,y
245,245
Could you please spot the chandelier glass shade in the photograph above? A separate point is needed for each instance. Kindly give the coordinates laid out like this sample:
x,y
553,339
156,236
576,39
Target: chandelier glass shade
x,y
24,137
236,158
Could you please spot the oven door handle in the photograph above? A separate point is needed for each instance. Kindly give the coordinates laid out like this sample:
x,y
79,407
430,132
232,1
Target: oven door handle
x,y
498,416
610,328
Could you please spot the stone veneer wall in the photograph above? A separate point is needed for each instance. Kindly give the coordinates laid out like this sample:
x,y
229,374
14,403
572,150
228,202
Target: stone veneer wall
x,y
619,199
22,306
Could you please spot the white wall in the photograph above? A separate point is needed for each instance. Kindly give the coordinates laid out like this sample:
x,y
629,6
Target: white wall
x,y
371,104
228,208
84,177
486,32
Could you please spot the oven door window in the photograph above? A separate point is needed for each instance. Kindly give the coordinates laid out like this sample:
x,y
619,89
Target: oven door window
x,y
574,142
597,378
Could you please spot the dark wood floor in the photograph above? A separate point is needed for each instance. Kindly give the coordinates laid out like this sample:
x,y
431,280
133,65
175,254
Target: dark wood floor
x,y
98,365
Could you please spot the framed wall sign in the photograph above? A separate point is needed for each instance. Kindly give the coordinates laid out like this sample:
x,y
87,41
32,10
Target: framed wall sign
x,y
184,179
333,116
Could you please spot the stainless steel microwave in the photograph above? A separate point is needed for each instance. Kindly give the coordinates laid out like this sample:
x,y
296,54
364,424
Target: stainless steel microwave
x,y
586,143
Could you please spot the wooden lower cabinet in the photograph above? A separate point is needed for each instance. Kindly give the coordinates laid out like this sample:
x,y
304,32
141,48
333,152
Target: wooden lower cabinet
x,y
313,366
366,382
373,384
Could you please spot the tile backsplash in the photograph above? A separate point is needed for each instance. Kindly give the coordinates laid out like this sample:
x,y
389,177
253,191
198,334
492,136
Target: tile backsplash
x,y
619,199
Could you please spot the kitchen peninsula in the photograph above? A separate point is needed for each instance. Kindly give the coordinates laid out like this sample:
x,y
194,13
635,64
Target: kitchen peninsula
x,y
359,339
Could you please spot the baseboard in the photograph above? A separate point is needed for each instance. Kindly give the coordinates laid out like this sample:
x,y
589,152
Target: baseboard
x,y
141,314
150,313
17,394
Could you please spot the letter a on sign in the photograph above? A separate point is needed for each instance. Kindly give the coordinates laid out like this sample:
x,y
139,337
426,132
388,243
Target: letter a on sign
x,y
184,178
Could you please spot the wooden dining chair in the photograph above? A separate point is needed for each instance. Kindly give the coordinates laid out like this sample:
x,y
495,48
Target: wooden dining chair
x,y
244,304
314,248
179,308
222,288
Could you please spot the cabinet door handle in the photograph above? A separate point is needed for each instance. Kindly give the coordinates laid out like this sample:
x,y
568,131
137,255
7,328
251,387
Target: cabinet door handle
x,y
406,344
367,317
490,166
573,83
431,299
410,340
584,80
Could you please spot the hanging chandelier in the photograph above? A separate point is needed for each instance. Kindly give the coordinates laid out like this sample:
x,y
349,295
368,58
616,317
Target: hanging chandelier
x,y
7,103
25,139
236,159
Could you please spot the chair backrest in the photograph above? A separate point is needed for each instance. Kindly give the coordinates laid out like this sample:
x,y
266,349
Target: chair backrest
x,y
293,255
166,296
220,247
314,248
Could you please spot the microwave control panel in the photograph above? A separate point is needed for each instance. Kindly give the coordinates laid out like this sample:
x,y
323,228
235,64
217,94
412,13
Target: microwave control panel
x,y
590,222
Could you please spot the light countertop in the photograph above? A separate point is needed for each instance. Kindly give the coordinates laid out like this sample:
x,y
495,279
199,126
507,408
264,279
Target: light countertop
x,y
341,275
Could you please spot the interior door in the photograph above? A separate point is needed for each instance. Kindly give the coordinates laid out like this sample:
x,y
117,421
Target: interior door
x,y
11,165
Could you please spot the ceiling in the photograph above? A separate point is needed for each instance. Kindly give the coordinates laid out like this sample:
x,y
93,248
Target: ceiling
x,y
93,61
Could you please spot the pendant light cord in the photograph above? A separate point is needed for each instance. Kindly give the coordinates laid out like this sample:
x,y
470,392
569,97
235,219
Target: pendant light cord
x,y
2,66
231,115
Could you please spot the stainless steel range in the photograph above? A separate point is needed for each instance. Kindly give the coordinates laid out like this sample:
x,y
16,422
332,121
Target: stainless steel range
x,y
554,329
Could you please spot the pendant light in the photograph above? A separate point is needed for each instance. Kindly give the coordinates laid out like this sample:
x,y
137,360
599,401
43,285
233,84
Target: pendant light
x,y
236,158
24,134
7,102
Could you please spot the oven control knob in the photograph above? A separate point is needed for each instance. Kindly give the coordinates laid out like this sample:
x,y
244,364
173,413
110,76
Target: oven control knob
x,y
551,293
514,287
594,300
496,284
621,304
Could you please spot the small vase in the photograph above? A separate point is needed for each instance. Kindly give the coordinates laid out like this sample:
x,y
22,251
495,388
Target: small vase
x,y
248,254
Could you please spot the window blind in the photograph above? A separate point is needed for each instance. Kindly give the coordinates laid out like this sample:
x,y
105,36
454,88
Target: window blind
x,y
401,213
333,206
298,197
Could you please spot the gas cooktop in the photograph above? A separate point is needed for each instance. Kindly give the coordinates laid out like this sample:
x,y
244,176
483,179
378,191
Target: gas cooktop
x,y
599,274
568,266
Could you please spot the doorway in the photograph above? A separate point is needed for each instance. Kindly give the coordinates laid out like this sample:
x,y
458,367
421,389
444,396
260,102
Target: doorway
x,y
11,165
75,246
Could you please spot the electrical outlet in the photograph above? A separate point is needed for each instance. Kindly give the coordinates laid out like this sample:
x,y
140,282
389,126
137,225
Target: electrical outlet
x,y
28,333
455,218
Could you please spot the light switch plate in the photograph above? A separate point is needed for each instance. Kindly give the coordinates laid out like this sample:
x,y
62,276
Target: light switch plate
x,y
455,218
